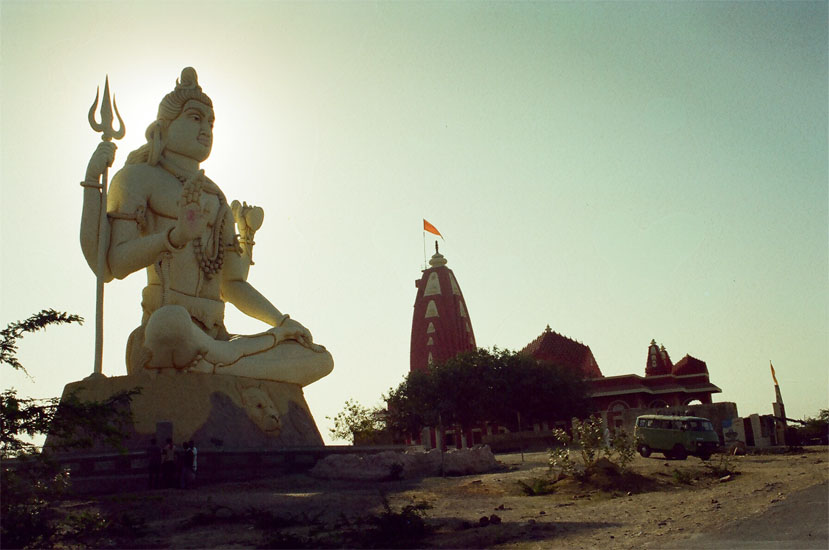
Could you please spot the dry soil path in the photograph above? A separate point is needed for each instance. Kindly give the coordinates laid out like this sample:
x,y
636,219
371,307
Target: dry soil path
x,y
801,521
683,506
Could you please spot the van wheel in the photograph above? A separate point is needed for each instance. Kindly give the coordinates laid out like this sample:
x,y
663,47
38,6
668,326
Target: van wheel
x,y
678,452
644,450
704,455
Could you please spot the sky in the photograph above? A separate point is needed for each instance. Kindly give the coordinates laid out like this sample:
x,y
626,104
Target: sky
x,y
620,171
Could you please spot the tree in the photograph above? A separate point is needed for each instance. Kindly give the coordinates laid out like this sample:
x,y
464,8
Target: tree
x,y
29,516
498,386
524,388
16,330
411,405
815,430
356,421
72,422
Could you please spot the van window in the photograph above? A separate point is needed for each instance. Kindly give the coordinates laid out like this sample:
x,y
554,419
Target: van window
x,y
707,426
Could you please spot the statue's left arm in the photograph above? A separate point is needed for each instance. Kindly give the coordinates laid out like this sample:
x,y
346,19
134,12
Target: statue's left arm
x,y
239,292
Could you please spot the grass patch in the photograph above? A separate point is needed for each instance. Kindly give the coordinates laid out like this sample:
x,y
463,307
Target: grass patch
x,y
683,477
536,486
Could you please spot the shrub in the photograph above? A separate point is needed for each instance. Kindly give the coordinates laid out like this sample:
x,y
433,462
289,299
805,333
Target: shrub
x,y
624,447
403,529
725,466
588,437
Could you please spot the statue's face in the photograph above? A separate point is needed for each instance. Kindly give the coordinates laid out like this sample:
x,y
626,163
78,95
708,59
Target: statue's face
x,y
191,134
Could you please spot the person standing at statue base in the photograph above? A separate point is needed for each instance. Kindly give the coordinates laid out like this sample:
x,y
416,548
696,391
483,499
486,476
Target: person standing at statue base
x,y
188,466
168,464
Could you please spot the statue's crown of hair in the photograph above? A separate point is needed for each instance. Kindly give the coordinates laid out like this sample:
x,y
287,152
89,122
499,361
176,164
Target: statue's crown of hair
x,y
187,88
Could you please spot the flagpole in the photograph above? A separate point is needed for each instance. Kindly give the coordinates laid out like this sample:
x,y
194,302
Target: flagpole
x,y
424,249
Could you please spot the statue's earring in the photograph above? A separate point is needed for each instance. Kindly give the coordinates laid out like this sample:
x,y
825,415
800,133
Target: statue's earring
x,y
156,142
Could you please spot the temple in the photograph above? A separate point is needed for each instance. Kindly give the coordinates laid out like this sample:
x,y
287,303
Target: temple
x,y
442,328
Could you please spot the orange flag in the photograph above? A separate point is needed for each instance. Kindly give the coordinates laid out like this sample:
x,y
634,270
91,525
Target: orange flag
x,y
773,377
431,228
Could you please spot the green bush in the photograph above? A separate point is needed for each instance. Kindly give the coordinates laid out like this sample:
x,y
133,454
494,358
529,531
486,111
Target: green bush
x,y
589,442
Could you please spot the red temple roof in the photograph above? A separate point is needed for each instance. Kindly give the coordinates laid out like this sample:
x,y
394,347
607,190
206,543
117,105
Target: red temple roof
x,y
659,362
690,365
554,348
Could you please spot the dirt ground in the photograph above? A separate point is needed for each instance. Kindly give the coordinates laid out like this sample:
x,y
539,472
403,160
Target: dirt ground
x,y
665,502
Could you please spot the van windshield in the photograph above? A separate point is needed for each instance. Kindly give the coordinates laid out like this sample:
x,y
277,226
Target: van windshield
x,y
685,425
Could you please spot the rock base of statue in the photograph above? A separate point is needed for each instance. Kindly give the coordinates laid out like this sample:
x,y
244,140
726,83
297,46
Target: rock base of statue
x,y
216,411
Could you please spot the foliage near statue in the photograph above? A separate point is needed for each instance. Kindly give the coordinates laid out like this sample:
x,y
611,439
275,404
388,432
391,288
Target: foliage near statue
x,y
72,422
34,481
15,330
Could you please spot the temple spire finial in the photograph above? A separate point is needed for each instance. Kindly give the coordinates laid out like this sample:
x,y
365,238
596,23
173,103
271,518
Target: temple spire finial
x,y
438,259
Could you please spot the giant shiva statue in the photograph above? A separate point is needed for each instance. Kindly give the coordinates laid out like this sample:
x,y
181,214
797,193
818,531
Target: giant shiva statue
x,y
165,216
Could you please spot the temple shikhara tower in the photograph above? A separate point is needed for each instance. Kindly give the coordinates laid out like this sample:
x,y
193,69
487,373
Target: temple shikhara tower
x,y
441,327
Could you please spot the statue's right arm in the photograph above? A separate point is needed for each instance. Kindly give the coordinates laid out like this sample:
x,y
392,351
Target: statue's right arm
x,y
129,250
90,237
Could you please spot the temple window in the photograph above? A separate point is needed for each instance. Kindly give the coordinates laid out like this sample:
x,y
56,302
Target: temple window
x,y
431,309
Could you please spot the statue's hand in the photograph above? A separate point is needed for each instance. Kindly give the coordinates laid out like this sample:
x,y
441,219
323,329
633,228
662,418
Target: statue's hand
x,y
293,330
102,158
192,218
248,218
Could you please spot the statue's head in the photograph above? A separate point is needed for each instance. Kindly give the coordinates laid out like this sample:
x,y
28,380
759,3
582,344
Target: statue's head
x,y
174,126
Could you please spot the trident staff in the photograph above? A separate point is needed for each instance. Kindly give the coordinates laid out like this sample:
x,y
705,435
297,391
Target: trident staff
x,y
108,134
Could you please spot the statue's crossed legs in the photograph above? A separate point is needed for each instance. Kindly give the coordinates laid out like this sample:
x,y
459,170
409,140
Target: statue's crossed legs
x,y
173,340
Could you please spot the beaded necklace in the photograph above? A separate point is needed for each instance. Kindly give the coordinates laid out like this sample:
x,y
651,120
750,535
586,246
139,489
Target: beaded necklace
x,y
210,262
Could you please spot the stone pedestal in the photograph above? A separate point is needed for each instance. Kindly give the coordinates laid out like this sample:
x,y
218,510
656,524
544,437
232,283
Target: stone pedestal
x,y
217,412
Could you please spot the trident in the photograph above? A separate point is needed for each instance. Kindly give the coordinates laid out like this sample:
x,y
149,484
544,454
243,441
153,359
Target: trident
x,y
109,133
